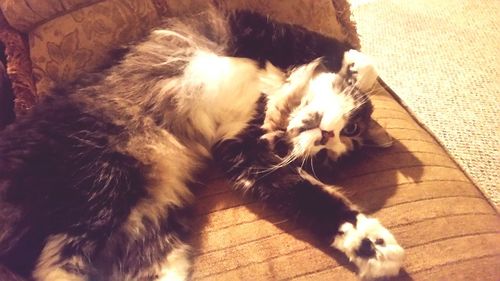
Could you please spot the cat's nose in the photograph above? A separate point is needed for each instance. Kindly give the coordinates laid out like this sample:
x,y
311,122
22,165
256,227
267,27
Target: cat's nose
x,y
325,136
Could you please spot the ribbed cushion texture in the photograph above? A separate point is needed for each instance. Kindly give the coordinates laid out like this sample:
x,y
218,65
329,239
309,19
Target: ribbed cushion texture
x,y
449,229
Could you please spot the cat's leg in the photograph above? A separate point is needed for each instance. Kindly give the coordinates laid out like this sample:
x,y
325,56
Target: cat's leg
x,y
155,256
147,247
177,264
365,241
64,258
317,206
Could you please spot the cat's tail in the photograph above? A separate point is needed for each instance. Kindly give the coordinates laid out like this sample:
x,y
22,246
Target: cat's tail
x,y
11,233
11,222
7,275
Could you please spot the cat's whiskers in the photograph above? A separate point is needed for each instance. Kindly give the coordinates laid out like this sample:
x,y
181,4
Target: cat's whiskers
x,y
285,162
299,151
312,167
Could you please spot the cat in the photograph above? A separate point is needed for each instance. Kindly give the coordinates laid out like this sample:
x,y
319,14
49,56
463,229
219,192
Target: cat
x,y
95,180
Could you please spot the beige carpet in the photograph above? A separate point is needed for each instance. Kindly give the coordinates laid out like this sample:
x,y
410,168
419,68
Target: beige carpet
x,y
442,57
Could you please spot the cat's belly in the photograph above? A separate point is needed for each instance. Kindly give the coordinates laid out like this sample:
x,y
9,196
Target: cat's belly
x,y
230,87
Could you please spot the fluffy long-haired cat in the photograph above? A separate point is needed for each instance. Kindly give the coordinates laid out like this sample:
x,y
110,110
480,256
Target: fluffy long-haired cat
x,y
94,182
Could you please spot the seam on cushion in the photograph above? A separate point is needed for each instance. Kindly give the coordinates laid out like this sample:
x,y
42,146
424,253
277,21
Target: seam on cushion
x,y
400,101
34,12
426,199
329,267
252,241
401,184
237,224
413,152
296,229
398,225
392,118
265,260
451,237
62,13
390,109
243,204
456,262
420,140
416,140
354,176
404,128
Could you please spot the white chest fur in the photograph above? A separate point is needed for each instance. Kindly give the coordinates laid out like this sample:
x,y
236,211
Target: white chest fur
x,y
224,91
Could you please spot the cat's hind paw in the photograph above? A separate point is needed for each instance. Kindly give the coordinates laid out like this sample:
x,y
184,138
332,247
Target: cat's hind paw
x,y
371,247
361,68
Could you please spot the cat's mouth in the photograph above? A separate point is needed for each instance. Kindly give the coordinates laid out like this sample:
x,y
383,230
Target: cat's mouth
x,y
325,137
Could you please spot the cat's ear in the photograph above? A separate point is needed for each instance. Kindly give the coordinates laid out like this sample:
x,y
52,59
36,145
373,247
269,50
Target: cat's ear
x,y
376,136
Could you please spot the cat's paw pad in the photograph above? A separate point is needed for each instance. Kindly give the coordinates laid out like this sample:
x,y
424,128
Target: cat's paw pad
x,y
371,247
360,68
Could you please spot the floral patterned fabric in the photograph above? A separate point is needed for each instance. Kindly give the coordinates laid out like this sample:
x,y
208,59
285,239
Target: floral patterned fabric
x,y
23,15
78,41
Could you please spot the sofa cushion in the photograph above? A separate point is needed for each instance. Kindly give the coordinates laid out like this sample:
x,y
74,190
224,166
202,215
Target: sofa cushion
x,y
449,230
78,40
23,15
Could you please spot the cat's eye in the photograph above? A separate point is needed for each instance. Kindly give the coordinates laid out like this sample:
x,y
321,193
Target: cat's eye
x,y
350,130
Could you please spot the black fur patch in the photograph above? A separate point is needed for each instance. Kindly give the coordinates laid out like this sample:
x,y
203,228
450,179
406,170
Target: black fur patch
x,y
249,159
65,177
285,45
7,114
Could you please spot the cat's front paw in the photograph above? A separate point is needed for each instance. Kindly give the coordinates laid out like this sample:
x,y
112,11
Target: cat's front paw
x,y
371,247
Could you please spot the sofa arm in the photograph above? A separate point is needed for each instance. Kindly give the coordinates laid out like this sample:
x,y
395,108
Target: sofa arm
x,y
18,71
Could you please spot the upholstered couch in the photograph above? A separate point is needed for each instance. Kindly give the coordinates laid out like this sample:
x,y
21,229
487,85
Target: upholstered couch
x,y
450,231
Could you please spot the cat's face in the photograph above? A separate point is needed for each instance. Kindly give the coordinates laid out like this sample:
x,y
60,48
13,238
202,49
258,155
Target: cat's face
x,y
337,120
331,112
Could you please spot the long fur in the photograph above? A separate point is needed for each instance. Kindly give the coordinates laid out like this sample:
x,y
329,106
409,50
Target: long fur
x,y
94,182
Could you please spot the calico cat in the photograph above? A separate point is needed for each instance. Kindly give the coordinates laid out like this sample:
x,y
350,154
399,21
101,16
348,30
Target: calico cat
x,y
94,182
